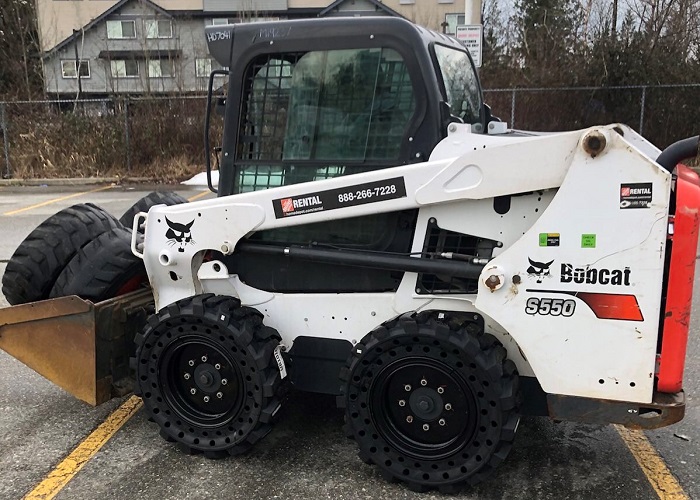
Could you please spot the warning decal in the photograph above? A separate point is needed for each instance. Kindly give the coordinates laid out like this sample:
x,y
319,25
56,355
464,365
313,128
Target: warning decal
x,y
349,196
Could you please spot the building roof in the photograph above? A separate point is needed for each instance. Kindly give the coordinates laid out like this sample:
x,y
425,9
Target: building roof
x,y
103,16
377,4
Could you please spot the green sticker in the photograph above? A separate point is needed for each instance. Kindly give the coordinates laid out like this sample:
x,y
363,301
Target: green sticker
x,y
588,241
549,239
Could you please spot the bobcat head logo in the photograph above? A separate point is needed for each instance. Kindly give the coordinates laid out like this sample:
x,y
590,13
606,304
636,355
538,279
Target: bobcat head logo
x,y
539,269
179,234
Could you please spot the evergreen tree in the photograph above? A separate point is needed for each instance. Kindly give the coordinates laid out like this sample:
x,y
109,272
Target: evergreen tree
x,y
547,43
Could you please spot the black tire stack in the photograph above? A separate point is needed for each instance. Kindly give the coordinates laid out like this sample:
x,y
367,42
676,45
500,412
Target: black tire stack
x,y
81,250
148,201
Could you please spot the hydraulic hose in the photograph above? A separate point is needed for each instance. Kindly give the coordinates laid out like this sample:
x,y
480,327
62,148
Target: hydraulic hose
x,y
679,151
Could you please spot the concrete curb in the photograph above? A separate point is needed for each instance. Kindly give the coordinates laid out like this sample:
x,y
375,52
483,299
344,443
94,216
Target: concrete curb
x,y
82,181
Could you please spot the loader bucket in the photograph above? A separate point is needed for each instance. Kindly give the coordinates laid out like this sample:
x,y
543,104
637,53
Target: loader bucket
x,y
82,347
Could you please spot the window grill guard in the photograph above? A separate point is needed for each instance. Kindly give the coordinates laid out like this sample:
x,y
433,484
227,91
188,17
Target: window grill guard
x,y
316,115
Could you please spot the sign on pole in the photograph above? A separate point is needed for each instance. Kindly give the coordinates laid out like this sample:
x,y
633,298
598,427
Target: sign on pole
x,y
471,35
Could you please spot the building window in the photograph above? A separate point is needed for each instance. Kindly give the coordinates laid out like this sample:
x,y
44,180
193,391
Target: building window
x,y
121,29
127,68
238,20
162,68
446,1
453,20
68,69
158,28
407,2
202,68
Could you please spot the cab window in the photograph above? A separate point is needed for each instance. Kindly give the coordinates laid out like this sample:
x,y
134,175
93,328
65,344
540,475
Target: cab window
x,y
462,91
320,114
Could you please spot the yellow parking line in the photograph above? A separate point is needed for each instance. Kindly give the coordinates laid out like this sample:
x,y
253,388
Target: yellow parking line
x,y
663,481
69,467
199,195
56,200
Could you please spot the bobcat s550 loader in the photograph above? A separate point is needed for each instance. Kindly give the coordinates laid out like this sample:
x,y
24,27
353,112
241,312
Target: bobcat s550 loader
x,y
378,235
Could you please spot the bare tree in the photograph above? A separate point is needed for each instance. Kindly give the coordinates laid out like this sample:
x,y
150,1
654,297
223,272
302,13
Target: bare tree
x,y
20,68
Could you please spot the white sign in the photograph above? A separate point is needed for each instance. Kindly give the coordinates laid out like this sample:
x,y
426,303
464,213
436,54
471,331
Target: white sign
x,y
471,35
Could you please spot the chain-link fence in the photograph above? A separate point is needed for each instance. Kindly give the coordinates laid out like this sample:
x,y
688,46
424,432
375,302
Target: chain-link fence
x,y
157,137
134,137
661,113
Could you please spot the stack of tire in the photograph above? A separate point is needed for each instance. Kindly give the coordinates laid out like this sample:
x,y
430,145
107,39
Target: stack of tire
x,y
81,250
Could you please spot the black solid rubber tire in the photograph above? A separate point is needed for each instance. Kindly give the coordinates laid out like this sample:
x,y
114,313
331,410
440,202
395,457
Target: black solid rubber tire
x,y
102,269
238,331
148,201
42,256
475,359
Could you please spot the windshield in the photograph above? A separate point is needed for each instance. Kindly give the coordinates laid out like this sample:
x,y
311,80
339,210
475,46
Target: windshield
x,y
461,84
318,114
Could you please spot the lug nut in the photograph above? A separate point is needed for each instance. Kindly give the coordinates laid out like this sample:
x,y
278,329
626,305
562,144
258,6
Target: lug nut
x,y
193,391
448,406
204,359
426,427
440,390
423,382
219,395
441,421
224,381
407,387
191,362
206,399
402,402
409,419
186,376
217,366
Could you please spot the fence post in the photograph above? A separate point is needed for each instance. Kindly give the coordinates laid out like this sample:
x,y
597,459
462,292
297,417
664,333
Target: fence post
x,y
126,135
5,141
512,109
643,101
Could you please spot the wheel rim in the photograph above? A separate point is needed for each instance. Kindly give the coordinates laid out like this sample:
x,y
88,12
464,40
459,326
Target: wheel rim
x,y
423,408
201,382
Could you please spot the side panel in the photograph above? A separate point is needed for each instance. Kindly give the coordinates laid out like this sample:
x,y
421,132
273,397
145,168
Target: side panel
x,y
581,290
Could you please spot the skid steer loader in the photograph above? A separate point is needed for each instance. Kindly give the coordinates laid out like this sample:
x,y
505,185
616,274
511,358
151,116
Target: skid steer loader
x,y
379,236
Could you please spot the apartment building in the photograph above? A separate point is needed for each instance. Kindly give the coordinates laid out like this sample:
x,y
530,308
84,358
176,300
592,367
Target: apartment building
x,y
97,48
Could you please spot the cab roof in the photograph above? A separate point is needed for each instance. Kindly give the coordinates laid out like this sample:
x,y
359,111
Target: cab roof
x,y
317,33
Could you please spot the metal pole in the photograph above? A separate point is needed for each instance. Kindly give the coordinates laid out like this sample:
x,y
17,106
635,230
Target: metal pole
x,y
5,141
472,11
641,112
77,67
512,109
126,135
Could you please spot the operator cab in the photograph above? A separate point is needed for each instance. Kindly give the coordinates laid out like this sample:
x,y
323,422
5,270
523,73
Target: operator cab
x,y
314,99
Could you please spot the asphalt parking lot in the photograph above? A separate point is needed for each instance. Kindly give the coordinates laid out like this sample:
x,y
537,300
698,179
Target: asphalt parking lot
x,y
306,455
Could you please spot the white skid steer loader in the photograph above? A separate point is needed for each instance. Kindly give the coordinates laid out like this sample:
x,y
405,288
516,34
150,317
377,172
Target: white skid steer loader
x,y
380,236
